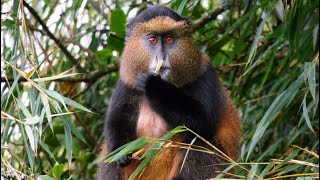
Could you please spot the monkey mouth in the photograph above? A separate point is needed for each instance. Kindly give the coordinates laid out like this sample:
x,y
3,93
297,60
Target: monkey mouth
x,y
162,70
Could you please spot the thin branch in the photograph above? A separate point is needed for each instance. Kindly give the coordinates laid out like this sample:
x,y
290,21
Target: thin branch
x,y
89,78
205,19
57,41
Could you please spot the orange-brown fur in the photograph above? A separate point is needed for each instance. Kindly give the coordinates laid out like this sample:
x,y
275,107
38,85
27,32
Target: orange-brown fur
x,y
169,160
150,124
229,131
188,64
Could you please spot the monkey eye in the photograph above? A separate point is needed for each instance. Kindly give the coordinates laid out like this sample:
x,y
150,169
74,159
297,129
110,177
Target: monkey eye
x,y
153,40
169,40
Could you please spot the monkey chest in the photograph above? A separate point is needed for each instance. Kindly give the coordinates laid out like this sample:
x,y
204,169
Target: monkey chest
x,y
150,123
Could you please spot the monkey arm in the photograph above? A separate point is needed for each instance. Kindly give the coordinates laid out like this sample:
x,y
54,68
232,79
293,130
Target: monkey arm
x,y
121,118
193,105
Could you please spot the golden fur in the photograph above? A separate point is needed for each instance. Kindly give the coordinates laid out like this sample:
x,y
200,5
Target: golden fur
x,y
169,160
185,63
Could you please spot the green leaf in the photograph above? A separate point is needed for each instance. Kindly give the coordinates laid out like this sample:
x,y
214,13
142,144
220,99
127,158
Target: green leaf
x,y
115,43
30,137
57,170
58,97
289,169
315,36
9,23
155,150
187,153
280,9
104,54
306,114
225,170
45,177
267,169
32,120
94,44
47,2
253,171
46,148
74,129
24,109
118,22
283,100
75,104
59,76
27,148
68,141
257,37
14,85
293,154
181,7
312,80
45,103
129,148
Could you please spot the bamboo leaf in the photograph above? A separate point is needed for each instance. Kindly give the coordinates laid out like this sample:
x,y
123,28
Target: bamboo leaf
x,y
293,154
257,37
253,170
187,152
45,177
30,73
74,129
312,80
68,141
32,120
315,36
154,150
288,169
57,170
280,9
58,97
30,137
283,100
219,176
45,103
181,7
267,169
46,148
129,148
75,104
27,148
24,109
51,78
306,114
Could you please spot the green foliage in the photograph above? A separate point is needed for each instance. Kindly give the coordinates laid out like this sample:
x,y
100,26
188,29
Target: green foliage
x,y
59,63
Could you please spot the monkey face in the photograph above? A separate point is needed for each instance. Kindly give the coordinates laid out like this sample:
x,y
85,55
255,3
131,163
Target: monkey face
x,y
160,45
166,40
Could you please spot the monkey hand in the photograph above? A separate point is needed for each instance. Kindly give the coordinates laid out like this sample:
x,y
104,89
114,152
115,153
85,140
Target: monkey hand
x,y
146,80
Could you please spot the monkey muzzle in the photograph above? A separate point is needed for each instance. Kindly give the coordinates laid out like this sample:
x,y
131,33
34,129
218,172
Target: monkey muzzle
x,y
159,65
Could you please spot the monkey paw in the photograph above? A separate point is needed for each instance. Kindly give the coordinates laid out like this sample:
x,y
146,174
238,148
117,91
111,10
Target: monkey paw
x,y
141,82
148,81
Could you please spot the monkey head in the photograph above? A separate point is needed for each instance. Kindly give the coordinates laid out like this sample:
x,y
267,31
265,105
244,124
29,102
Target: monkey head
x,y
159,34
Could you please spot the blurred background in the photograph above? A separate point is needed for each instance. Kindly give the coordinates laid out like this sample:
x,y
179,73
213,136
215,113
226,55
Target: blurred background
x,y
59,65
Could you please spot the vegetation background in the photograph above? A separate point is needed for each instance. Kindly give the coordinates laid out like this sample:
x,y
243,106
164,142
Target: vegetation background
x,y
59,64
